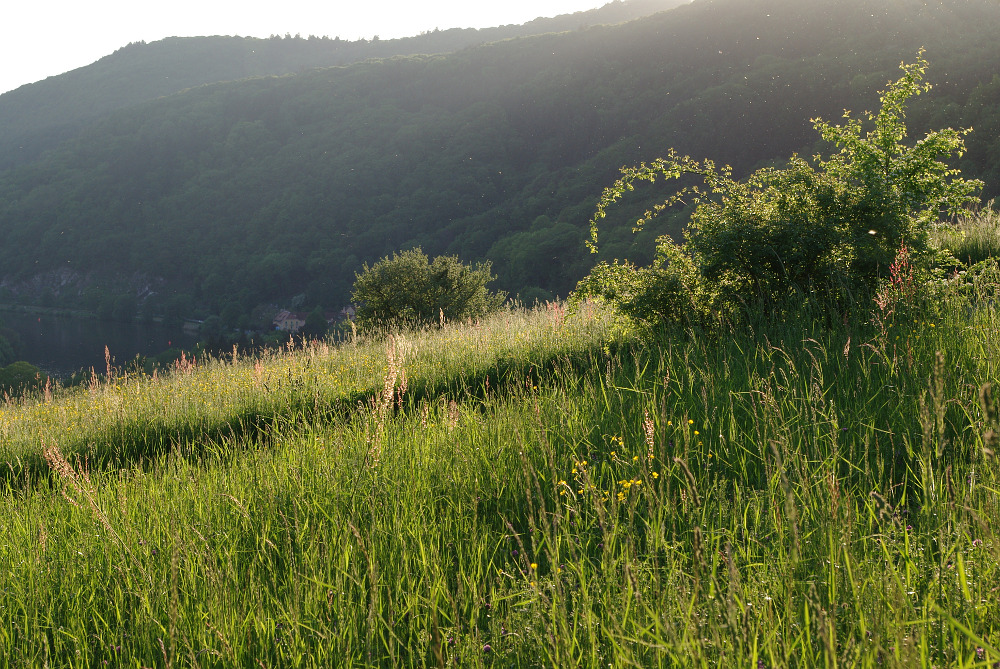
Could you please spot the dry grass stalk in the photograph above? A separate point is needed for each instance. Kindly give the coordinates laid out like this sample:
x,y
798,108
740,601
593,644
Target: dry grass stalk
x,y
84,488
382,404
649,429
184,364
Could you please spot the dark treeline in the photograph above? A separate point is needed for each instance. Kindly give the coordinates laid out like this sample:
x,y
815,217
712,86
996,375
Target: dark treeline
x,y
228,195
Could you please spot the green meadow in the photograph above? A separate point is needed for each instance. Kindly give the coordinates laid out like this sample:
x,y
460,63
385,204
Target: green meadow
x,y
543,488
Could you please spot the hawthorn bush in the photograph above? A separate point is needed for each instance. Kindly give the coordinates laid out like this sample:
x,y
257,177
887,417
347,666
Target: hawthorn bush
x,y
830,226
409,289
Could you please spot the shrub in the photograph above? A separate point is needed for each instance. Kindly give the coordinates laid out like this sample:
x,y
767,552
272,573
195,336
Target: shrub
x,y
831,226
19,377
410,289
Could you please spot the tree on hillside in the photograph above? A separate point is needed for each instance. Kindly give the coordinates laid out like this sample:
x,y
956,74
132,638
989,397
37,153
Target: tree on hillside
x,y
315,326
411,289
831,226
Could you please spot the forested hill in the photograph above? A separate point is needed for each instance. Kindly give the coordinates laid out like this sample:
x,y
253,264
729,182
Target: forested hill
x,y
230,194
37,116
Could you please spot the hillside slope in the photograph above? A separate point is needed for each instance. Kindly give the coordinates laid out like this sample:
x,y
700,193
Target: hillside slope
x,y
38,116
230,194
534,490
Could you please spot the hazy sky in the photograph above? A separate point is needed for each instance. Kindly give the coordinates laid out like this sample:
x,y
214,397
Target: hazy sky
x,y
43,38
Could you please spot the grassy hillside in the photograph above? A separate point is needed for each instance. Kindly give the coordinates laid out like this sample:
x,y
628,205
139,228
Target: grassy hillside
x,y
224,196
534,490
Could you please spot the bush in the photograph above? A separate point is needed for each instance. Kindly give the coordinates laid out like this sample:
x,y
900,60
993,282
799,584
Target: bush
x,y
831,226
409,289
19,377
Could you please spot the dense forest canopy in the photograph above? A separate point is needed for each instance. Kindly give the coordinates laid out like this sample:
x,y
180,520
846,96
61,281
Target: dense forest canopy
x,y
225,195
38,116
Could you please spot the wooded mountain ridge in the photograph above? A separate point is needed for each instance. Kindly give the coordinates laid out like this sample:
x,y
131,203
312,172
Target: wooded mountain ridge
x,y
38,116
218,197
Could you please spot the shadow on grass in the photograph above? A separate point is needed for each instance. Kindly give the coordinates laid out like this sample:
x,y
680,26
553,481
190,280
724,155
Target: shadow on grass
x,y
133,444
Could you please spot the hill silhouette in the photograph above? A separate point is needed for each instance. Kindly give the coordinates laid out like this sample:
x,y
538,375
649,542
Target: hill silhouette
x,y
38,116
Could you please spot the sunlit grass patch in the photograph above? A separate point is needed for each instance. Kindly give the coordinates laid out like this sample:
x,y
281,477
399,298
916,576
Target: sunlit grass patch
x,y
793,494
123,418
974,237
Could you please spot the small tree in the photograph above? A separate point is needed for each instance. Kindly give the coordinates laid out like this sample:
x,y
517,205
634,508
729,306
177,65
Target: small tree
x,y
315,326
410,289
832,226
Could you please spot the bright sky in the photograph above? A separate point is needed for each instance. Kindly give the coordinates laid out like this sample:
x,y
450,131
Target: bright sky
x,y
43,38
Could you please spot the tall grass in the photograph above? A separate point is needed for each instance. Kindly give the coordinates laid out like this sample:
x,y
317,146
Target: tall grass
x,y
122,419
790,495
974,237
